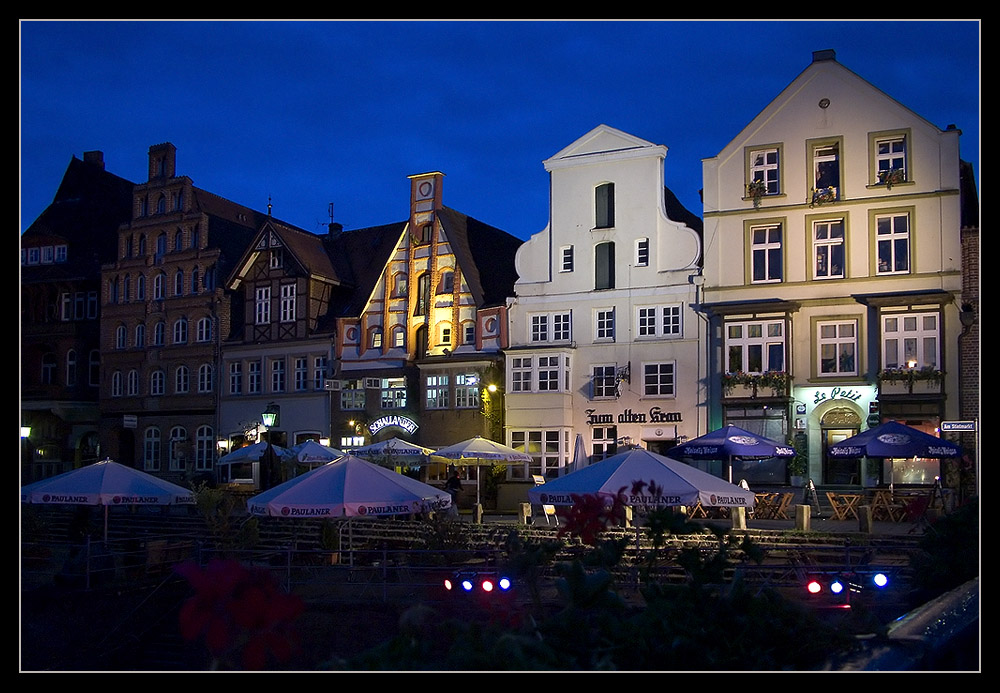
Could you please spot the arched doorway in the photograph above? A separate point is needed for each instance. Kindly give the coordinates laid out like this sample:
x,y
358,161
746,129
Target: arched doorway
x,y
837,424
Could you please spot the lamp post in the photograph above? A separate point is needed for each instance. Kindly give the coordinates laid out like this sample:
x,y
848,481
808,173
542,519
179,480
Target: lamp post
x,y
269,473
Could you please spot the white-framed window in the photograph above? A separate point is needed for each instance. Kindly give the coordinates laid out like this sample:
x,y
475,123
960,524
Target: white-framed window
x,y
755,346
837,347
301,374
194,280
157,383
151,450
181,331
262,305
204,448
71,367
604,442
132,383
204,331
467,391
539,328
604,325
549,450
566,258
236,378
551,327
828,249
205,378
175,448
549,376
890,155
121,337
470,333
140,288
521,368
540,373
182,380
319,371
375,338
179,283
352,395
826,169
254,378
766,253
892,243
659,379
658,321
159,290
116,384
393,393
399,337
140,335
642,252
764,168
159,333
911,340
603,383
437,391
288,303
278,375
277,259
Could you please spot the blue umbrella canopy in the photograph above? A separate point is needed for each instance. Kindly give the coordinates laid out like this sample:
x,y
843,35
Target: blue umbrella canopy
x,y
894,440
730,442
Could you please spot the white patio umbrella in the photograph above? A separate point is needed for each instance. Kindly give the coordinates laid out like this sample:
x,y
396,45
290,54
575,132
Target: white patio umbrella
x,y
312,454
480,451
250,453
395,450
580,457
348,487
633,473
106,483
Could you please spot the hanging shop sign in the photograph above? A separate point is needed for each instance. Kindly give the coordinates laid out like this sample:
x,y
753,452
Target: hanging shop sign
x,y
407,424
655,415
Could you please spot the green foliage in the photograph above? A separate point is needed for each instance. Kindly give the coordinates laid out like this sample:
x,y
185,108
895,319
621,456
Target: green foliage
x,y
229,527
329,535
494,476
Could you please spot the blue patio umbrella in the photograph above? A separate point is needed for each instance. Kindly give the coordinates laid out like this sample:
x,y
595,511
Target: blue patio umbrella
x,y
893,440
729,443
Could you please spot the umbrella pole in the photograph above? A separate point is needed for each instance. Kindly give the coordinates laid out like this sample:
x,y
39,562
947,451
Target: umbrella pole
x,y
105,525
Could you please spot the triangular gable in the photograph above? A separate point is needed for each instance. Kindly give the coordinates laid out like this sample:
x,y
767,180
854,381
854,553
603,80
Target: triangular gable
x,y
601,140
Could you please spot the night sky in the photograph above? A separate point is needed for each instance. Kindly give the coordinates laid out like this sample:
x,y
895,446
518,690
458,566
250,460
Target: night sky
x,y
309,113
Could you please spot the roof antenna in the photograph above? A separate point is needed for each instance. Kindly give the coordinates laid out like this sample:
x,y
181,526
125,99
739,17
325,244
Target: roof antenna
x,y
268,205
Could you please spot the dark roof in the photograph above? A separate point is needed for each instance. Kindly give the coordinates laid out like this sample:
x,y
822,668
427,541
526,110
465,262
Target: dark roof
x,y
484,253
360,257
678,212
85,213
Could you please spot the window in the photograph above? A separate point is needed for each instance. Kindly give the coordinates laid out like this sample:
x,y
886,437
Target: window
x,y
116,384
604,325
890,155
548,373
437,391
159,290
179,283
113,290
837,344
393,393
604,266
262,305
470,333
277,258
182,380
181,331
658,321
352,395
159,333
140,288
765,253
205,380
826,172
151,450
399,285
157,383
446,334
194,280
204,448
71,367
301,374
140,336
94,367
161,246
910,340
604,206
604,442
121,337
892,243
755,347
375,339
398,337
828,249
642,252
426,234
254,383
423,294
467,391
764,171
566,258
287,302
604,382
161,204
126,288
204,329
319,372
133,383
278,375
175,448
549,450
236,378
49,369
447,282
520,373
658,379
539,328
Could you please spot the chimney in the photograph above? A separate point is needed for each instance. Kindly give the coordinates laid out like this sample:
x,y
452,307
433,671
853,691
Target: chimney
x,y
828,54
334,229
95,157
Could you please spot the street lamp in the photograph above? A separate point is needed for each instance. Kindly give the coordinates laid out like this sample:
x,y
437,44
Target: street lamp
x,y
269,468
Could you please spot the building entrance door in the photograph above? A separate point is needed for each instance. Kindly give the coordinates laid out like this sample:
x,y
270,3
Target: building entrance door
x,y
837,425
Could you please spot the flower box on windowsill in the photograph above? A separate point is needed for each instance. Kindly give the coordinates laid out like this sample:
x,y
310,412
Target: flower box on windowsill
x,y
752,386
910,382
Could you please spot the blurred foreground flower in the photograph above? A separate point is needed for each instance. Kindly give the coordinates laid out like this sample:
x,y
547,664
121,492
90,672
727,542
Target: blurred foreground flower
x,y
591,514
241,614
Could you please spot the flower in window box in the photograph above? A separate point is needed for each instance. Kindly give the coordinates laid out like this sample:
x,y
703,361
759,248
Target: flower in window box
x,y
891,177
821,195
756,189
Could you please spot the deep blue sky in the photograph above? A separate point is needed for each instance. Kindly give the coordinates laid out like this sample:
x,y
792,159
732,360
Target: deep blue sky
x,y
309,113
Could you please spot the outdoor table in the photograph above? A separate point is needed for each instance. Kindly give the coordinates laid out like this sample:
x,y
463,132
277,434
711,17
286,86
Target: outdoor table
x,y
781,504
765,506
844,504
885,507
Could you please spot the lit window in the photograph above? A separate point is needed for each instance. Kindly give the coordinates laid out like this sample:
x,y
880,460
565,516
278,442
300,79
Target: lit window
x,y
764,171
892,240
437,391
837,343
910,341
755,347
828,248
765,253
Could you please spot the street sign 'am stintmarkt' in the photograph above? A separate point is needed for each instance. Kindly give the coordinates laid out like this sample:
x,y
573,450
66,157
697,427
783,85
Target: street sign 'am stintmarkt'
x,y
958,426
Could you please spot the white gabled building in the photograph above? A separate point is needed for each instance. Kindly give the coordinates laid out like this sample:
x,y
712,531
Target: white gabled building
x,y
833,272
604,344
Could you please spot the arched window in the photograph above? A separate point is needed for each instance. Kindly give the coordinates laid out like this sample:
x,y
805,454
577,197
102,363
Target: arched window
x,y
158,286
204,450
181,331
156,383
604,266
140,335
121,337
133,383
205,379
176,448
161,204
140,288
604,206
159,333
126,288
204,330
142,245
113,290
151,450
194,280
179,283
182,380
116,384
447,282
71,368
423,294
178,240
